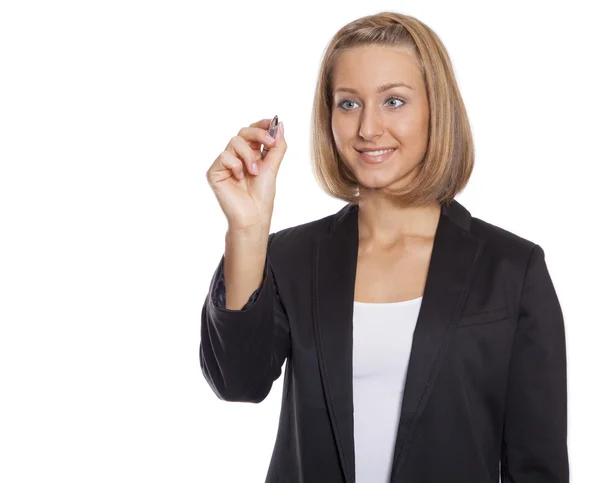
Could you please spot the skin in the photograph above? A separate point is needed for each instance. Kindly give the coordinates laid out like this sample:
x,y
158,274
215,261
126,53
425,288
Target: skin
x,y
371,119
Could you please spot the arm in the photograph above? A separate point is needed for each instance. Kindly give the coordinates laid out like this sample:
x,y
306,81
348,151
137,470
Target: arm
x,y
242,351
534,442
245,253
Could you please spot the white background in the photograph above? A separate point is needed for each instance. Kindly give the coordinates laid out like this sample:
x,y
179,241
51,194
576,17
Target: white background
x,y
110,114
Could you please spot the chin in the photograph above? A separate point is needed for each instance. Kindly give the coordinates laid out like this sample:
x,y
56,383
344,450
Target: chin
x,y
381,179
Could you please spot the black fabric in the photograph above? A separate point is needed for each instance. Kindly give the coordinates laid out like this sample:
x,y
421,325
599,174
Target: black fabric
x,y
486,386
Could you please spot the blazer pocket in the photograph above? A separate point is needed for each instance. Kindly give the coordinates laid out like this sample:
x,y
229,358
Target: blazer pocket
x,y
482,317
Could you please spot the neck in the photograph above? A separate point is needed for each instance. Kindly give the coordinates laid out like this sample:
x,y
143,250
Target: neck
x,y
383,222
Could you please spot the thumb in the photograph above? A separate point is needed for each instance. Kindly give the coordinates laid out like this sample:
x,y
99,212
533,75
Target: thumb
x,y
277,151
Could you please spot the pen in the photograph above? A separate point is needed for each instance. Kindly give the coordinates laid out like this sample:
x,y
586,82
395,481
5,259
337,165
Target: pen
x,y
272,132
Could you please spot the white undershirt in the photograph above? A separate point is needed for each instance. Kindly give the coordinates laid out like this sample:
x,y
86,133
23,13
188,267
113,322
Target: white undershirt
x,y
382,338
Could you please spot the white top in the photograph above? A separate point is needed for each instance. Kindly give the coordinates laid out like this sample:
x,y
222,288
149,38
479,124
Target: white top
x,y
382,338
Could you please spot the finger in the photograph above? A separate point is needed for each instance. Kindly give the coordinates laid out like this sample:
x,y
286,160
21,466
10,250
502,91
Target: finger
x,y
240,147
230,161
277,151
263,123
255,137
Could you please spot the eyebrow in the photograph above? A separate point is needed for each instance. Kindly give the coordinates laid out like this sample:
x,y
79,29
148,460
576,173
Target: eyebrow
x,y
380,89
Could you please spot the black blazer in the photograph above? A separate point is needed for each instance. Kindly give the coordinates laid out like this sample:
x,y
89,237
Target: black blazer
x,y
486,389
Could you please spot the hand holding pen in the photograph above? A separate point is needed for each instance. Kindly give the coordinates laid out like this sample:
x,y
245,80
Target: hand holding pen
x,y
243,178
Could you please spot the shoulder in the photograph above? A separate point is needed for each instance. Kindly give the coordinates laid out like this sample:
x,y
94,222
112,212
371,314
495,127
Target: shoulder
x,y
502,244
301,236
497,243
505,253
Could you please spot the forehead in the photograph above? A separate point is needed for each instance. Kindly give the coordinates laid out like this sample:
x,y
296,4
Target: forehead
x,y
366,67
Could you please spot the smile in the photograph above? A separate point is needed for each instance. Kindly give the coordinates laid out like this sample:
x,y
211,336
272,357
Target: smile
x,y
376,156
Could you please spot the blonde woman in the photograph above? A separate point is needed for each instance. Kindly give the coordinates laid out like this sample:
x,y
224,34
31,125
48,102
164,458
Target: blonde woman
x,y
423,345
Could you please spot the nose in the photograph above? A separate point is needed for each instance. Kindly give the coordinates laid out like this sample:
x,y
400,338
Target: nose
x,y
371,125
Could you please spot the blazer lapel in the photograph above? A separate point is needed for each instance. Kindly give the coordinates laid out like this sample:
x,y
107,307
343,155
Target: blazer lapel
x,y
453,259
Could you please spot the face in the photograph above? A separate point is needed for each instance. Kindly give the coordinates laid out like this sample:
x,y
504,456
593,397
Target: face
x,y
366,119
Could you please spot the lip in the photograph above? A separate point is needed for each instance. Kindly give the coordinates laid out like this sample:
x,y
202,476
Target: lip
x,y
378,148
377,159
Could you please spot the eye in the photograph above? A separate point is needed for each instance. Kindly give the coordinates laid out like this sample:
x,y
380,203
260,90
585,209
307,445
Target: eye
x,y
395,99
341,104
392,98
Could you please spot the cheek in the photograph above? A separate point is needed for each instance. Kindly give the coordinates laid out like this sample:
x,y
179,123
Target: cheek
x,y
410,132
335,128
341,132
337,141
413,123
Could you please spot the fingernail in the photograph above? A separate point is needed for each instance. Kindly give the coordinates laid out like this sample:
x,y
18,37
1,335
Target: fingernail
x,y
282,129
254,168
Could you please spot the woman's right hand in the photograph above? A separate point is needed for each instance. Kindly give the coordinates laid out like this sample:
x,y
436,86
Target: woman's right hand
x,y
246,197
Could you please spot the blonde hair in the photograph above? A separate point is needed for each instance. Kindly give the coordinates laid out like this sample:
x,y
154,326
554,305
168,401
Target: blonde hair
x,y
449,156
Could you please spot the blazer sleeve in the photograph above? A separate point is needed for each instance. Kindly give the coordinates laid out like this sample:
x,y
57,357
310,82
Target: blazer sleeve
x,y
534,442
218,293
242,351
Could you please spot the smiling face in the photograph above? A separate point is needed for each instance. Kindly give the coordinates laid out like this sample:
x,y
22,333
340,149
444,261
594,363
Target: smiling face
x,y
367,119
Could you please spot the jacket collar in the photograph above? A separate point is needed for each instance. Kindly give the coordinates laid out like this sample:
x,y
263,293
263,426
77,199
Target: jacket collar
x,y
454,211
453,260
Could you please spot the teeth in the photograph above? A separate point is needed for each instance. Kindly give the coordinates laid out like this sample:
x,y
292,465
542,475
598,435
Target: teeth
x,y
377,153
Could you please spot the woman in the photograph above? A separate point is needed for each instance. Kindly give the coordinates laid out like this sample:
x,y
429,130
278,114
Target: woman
x,y
423,344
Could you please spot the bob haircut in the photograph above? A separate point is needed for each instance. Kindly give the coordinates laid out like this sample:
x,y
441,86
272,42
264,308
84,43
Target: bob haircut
x,y
449,157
